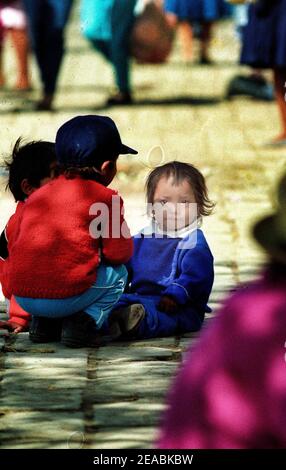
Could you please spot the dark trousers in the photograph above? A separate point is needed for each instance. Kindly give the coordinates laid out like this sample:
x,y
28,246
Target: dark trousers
x,y
47,20
117,50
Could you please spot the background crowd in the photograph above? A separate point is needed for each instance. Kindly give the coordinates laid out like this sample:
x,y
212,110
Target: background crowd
x,y
122,29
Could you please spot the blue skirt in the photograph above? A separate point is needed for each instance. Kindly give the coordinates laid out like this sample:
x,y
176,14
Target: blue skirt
x,y
264,37
198,10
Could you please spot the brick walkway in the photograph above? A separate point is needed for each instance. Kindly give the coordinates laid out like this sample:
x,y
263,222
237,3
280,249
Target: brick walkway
x,y
53,397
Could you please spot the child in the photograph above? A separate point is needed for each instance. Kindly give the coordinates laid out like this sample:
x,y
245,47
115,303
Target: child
x,y
171,271
32,165
231,390
79,273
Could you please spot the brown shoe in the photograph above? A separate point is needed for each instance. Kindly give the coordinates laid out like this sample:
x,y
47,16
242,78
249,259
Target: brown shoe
x,y
125,321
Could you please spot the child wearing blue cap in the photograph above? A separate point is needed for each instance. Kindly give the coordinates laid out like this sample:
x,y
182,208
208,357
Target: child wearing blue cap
x,y
171,271
66,266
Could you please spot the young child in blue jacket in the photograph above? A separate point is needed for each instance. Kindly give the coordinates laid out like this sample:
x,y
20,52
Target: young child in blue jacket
x,y
171,271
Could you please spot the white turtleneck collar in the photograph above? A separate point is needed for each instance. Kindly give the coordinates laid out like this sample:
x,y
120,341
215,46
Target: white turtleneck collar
x,y
153,229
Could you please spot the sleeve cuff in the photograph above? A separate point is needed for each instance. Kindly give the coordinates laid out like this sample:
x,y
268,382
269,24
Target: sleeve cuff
x,y
20,321
179,293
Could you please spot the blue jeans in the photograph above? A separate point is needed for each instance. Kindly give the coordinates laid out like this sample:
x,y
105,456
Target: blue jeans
x,y
116,50
97,301
46,22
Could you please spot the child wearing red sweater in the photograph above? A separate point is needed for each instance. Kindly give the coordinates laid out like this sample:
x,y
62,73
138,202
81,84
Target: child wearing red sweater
x,y
31,166
79,273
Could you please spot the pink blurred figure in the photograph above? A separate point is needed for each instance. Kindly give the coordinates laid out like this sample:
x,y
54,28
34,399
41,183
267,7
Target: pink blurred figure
x,y
231,389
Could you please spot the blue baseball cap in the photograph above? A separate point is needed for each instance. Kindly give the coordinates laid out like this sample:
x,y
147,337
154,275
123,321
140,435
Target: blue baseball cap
x,y
89,140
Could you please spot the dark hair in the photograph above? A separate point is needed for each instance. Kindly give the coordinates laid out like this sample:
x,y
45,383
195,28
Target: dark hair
x,y
85,172
31,161
182,171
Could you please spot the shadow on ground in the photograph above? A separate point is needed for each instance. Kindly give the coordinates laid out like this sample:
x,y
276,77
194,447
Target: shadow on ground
x,y
29,107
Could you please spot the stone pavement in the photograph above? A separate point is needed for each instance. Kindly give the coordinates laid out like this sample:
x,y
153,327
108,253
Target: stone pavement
x,y
113,396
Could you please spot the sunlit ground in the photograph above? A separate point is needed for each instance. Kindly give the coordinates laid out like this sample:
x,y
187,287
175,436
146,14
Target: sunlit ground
x,y
56,398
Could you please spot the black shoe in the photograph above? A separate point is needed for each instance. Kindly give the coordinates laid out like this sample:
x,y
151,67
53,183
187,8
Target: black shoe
x,y
255,87
205,61
125,322
45,330
120,99
46,103
79,331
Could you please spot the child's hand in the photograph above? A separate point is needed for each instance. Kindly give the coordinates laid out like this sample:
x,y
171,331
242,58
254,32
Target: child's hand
x,y
11,326
167,304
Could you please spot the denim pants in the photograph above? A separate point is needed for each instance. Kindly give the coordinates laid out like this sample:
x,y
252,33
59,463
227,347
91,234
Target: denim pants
x,y
46,23
97,301
116,50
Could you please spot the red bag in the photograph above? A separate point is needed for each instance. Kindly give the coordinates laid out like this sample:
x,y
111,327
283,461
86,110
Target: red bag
x,y
151,37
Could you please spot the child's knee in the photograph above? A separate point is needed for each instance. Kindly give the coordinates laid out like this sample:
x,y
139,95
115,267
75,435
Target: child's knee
x,y
112,276
120,276
121,272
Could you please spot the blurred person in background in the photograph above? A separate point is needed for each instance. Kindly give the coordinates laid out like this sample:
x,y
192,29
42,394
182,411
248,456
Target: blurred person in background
x,y
13,24
255,84
108,27
264,46
46,21
2,80
184,13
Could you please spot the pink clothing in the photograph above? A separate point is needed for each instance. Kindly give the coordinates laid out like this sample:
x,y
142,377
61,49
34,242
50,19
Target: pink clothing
x,y
1,31
13,16
16,313
231,389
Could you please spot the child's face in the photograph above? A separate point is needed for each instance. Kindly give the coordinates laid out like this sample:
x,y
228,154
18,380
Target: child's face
x,y
174,205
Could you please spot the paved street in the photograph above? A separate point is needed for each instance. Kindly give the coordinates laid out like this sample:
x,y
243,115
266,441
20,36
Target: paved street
x,y
113,396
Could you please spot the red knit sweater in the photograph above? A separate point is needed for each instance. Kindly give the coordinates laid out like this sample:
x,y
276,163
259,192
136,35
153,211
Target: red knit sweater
x,y
16,313
51,251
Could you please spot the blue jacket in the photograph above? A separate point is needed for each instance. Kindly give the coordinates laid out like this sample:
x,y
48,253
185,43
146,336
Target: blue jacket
x,y
181,268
